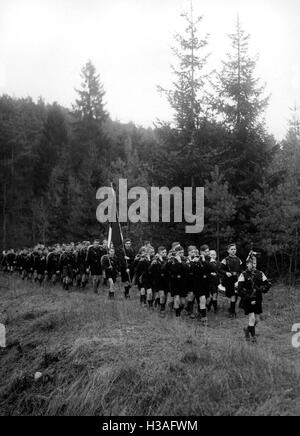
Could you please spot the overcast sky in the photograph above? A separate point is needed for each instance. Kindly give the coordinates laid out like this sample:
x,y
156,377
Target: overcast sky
x,y
45,43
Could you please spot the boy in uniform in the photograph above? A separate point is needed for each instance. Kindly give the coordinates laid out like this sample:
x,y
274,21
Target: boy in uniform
x,y
203,291
158,278
67,267
192,262
127,257
109,263
252,284
52,265
214,281
142,275
177,272
93,263
230,269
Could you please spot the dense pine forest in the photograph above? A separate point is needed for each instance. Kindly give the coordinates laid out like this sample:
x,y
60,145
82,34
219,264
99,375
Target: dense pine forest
x,y
53,159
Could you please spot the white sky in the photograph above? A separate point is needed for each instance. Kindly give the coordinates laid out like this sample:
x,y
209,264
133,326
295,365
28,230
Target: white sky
x,y
45,43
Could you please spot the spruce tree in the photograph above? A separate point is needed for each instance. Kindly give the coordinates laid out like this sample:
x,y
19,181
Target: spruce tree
x,y
180,143
220,208
185,96
90,105
241,103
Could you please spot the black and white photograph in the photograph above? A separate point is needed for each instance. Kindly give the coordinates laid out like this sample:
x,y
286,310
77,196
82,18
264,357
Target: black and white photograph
x,y
149,211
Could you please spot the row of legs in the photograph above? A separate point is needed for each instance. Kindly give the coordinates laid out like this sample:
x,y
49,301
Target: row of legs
x,y
178,303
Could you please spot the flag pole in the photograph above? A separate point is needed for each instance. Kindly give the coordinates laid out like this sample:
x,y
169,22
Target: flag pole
x,y
121,234
108,244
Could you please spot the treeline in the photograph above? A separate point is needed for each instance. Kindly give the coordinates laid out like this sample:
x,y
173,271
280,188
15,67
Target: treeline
x,y
54,159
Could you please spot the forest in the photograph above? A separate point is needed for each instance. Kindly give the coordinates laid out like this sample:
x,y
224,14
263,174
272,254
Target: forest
x,y
53,159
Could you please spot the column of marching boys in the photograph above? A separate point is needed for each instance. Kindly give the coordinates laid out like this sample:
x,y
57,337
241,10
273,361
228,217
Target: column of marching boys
x,y
171,282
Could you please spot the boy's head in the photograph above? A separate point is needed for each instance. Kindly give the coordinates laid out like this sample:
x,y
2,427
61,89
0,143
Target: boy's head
x,y
231,249
96,243
213,254
192,251
150,250
104,243
162,251
204,249
111,251
179,251
250,264
142,251
127,243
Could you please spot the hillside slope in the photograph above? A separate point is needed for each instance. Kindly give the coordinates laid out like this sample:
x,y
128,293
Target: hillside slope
x,y
101,357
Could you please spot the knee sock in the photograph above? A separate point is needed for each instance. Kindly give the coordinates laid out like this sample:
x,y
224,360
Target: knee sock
x,y
178,311
190,306
251,330
209,304
203,313
232,307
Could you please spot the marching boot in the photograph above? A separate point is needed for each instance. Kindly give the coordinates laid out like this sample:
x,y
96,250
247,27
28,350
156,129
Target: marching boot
x,y
177,312
252,333
215,305
126,292
204,321
232,313
203,316
162,308
247,334
209,305
189,308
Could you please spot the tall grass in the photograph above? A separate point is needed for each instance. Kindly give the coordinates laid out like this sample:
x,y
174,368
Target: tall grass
x,y
100,357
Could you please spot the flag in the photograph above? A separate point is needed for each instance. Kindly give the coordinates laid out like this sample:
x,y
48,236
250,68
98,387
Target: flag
x,y
109,238
115,235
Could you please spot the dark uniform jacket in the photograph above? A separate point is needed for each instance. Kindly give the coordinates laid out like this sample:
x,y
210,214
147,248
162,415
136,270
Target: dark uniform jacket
x,y
233,265
177,274
93,260
141,271
126,263
52,263
158,274
67,264
251,287
110,266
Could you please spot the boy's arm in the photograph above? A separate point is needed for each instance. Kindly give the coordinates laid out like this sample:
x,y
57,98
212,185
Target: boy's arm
x,y
241,290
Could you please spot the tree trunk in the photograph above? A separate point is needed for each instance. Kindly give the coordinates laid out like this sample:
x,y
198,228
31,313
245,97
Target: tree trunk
x,y
4,218
218,240
33,226
290,271
296,255
277,266
268,264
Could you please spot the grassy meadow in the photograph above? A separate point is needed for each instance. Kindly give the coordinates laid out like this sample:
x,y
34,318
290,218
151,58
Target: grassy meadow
x,y
102,357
